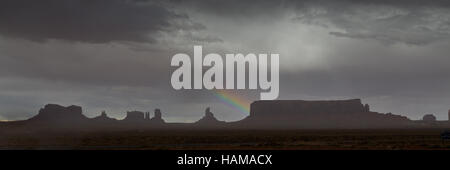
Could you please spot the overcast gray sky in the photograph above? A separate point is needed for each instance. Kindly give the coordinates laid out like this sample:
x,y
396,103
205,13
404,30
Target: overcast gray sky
x,y
114,55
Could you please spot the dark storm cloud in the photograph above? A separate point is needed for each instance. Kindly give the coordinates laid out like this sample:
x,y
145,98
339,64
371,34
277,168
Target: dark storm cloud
x,y
100,21
411,22
94,21
416,24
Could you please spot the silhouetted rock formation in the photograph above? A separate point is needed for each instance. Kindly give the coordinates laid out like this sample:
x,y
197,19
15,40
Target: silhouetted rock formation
x,y
147,116
157,118
103,117
366,108
319,114
57,113
209,119
143,119
429,118
294,114
296,107
448,115
135,116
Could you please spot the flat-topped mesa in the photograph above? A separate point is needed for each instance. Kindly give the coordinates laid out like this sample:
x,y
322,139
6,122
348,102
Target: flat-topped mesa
x,y
319,114
143,118
54,112
134,116
295,107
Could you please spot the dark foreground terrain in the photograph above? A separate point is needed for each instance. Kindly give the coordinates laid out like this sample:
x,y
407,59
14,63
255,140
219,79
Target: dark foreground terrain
x,y
410,139
59,127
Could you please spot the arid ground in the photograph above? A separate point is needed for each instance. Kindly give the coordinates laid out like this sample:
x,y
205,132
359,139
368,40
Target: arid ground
x,y
410,139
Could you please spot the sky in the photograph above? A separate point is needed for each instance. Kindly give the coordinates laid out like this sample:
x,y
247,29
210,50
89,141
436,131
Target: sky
x,y
114,55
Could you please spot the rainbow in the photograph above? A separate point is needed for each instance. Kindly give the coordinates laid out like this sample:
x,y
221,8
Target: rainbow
x,y
233,100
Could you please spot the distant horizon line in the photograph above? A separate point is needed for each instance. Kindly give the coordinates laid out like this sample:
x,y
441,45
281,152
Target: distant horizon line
x,y
193,121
